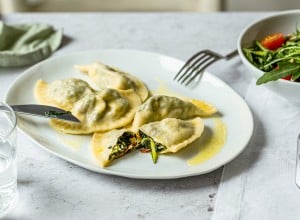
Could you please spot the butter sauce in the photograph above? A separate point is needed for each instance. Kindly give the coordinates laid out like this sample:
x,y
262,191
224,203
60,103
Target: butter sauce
x,y
213,145
75,143
162,89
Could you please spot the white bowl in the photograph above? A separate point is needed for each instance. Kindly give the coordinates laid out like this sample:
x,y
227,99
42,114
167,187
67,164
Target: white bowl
x,y
285,22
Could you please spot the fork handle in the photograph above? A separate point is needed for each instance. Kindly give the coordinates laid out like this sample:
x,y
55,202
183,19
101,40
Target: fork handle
x,y
232,54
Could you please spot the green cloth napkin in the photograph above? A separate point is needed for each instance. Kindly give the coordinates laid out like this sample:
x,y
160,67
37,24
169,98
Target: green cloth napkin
x,y
26,44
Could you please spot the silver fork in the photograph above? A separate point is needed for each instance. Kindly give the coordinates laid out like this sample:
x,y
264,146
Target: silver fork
x,y
195,66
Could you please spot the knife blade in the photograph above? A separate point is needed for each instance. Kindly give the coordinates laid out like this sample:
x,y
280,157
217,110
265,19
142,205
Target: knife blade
x,y
42,111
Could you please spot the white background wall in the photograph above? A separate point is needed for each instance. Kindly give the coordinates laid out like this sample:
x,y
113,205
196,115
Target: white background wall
x,y
260,5
7,6
110,5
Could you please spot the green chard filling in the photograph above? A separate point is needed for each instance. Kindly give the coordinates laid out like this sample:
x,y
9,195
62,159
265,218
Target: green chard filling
x,y
147,144
124,144
129,141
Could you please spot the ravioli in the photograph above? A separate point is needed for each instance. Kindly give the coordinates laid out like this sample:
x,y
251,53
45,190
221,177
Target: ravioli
x,y
168,135
97,111
61,93
111,145
105,76
173,133
160,107
120,115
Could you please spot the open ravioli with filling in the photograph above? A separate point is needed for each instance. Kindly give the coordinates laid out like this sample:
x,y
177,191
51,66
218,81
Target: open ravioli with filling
x,y
111,145
160,107
97,111
105,76
168,135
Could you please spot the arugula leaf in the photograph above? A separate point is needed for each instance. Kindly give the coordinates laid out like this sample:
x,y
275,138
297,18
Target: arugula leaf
x,y
285,69
295,76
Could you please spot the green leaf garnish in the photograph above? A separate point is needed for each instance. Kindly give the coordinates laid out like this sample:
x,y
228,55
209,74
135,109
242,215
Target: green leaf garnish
x,y
55,113
284,70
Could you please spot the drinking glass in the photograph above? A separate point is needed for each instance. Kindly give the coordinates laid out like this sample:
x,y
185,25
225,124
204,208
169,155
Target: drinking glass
x,y
8,163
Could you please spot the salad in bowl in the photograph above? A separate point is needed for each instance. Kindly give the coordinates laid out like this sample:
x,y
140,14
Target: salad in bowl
x,y
277,55
270,50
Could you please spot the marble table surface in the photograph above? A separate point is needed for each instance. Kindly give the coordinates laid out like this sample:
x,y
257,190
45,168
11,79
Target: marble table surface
x,y
51,188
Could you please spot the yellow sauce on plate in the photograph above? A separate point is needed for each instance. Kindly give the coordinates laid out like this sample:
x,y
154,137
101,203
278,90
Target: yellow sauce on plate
x,y
74,143
162,89
212,145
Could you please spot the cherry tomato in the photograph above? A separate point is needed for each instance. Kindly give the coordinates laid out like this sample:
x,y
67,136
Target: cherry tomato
x,y
273,41
287,77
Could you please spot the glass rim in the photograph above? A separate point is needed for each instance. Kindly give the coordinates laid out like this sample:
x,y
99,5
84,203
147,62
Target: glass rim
x,y
13,120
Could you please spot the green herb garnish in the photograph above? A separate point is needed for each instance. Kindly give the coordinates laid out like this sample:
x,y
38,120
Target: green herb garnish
x,y
284,70
54,114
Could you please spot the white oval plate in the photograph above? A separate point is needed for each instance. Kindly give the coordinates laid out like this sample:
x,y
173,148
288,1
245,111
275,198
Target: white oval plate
x,y
153,69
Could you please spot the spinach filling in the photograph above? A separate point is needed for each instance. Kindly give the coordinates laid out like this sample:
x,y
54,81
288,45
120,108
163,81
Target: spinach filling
x,y
146,144
124,144
129,141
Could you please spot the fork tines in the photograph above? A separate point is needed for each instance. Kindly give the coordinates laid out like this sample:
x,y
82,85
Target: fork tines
x,y
195,66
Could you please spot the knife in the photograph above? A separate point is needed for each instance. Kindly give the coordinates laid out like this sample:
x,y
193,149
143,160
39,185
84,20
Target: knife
x,y
43,111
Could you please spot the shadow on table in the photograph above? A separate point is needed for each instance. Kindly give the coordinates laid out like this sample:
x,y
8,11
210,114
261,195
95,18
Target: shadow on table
x,y
66,41
251,154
